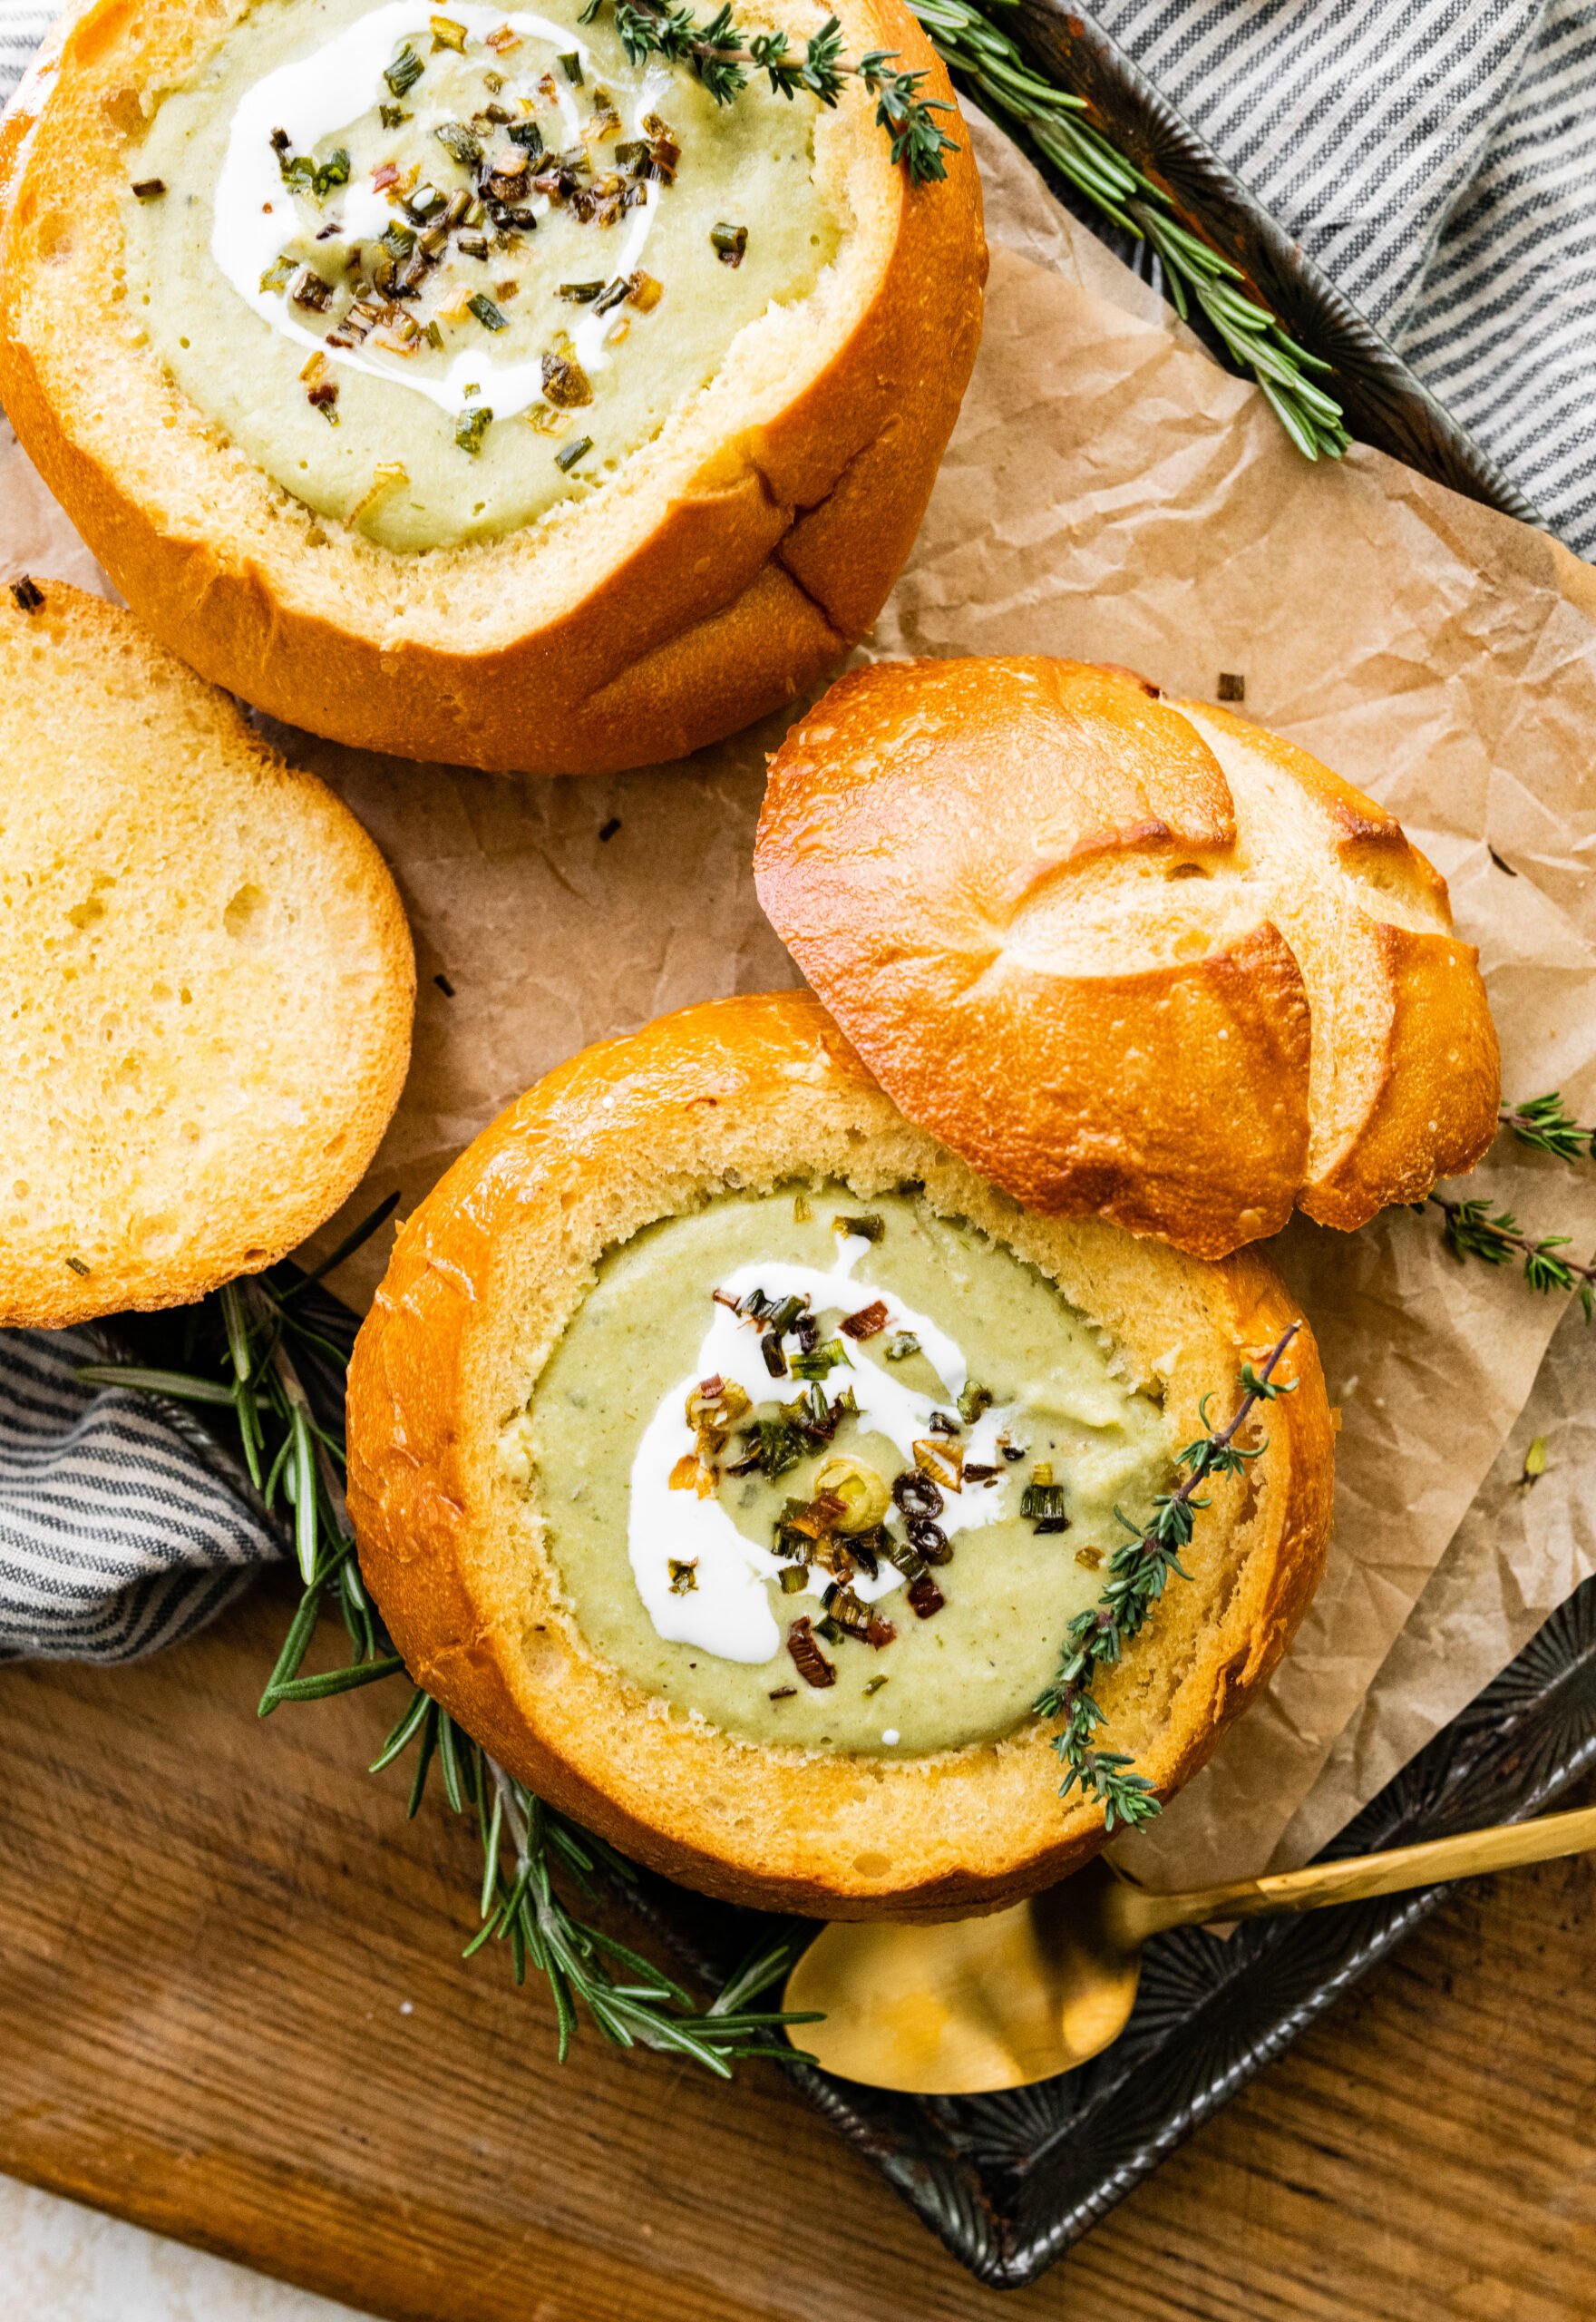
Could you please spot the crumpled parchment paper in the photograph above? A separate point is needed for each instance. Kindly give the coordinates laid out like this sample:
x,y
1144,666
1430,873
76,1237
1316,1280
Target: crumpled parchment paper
x,y
1111,494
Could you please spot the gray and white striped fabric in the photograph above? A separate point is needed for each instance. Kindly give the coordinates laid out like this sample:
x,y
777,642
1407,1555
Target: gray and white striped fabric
x,y
1437,158
117,1537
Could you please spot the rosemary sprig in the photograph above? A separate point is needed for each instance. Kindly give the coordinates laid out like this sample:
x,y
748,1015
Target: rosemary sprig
x,y
992,65
1137,1574
528,1851
724,56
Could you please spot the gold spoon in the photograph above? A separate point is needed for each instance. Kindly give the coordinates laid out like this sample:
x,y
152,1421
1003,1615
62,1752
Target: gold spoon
x,y
966,2005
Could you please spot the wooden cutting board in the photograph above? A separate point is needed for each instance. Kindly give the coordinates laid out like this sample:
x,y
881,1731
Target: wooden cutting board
x,y
232,2009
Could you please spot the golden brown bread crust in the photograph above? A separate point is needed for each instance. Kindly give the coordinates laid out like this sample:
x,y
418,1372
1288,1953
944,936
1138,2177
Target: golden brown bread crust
x,y
245,1116
482,1279
1131,957
755,579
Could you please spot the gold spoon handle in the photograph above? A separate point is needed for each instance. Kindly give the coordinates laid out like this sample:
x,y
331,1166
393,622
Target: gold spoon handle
x,y
1502,1848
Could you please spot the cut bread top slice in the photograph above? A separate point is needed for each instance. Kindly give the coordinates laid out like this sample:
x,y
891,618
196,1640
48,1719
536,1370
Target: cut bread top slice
x,y
1129,956
206,977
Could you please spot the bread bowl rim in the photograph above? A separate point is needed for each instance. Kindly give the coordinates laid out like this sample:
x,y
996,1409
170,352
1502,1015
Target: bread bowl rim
x,y
424,1375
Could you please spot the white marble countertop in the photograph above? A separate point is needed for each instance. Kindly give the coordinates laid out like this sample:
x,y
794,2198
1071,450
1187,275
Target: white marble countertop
x,y
60,2262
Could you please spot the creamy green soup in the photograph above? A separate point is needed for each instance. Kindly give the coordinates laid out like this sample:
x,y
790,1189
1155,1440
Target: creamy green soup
x,y
437,274
882,1548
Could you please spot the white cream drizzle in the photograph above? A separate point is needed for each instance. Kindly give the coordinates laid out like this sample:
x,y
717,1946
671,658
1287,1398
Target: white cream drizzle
x,y
318,94
728,1611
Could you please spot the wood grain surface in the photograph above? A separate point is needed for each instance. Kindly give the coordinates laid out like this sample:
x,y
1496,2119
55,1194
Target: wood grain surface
x,y
231,2007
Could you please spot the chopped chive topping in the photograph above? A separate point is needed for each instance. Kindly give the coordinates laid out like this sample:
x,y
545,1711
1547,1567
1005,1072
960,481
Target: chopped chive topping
x,y
578,294
613,296
432,334
874,1686
149,188
397,239
486,312
455,138
390,116
973,1402
425,202
794,1579
571,66
528,135
318,177
900,1346
684,1575
447,34
821,1360
573,453
404,72
730,243
281,272
470,427
869,1228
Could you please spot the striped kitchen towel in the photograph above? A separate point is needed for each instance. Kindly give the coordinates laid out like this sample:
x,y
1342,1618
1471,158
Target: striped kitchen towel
x,y
120,1531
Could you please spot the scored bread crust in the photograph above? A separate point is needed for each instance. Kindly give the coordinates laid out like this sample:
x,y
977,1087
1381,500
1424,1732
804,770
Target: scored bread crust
x,y
608,636
744,1093
1132,957
138,805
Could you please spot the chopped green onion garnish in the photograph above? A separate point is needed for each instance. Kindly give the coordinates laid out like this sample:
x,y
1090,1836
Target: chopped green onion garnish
x,y
447,34
573,453
470,427
404,72
730,243
486,312
571,66
578,294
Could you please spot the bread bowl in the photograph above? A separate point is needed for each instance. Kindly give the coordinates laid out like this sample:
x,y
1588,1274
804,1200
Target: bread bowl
x,y
311,506
524,1474
204,973
1134,957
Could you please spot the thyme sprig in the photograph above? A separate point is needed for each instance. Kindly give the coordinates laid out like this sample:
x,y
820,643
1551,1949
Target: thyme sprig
x,y
1545,1124
531,1855
992,65
1137,1576
1472,1229
725,57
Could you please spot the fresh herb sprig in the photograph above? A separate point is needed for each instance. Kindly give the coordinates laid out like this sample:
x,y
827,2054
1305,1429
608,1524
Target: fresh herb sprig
x,y
1138,1572
530,1852
993,67
1472,1229
725,57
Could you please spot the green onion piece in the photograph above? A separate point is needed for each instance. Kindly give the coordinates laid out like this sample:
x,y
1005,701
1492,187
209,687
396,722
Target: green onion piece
x,y
1042,1500
432,334
455,138
397,239
869,1228
973,1402
573,453
447,34
900,1346
281,272
571,66
578,294
392,115
820,1360
794,1577
470,427
425,202
486,312
730,243
528,136
404,72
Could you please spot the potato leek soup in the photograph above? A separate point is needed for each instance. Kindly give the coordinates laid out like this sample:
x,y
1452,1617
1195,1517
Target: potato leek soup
x,y
831,1472
438,274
